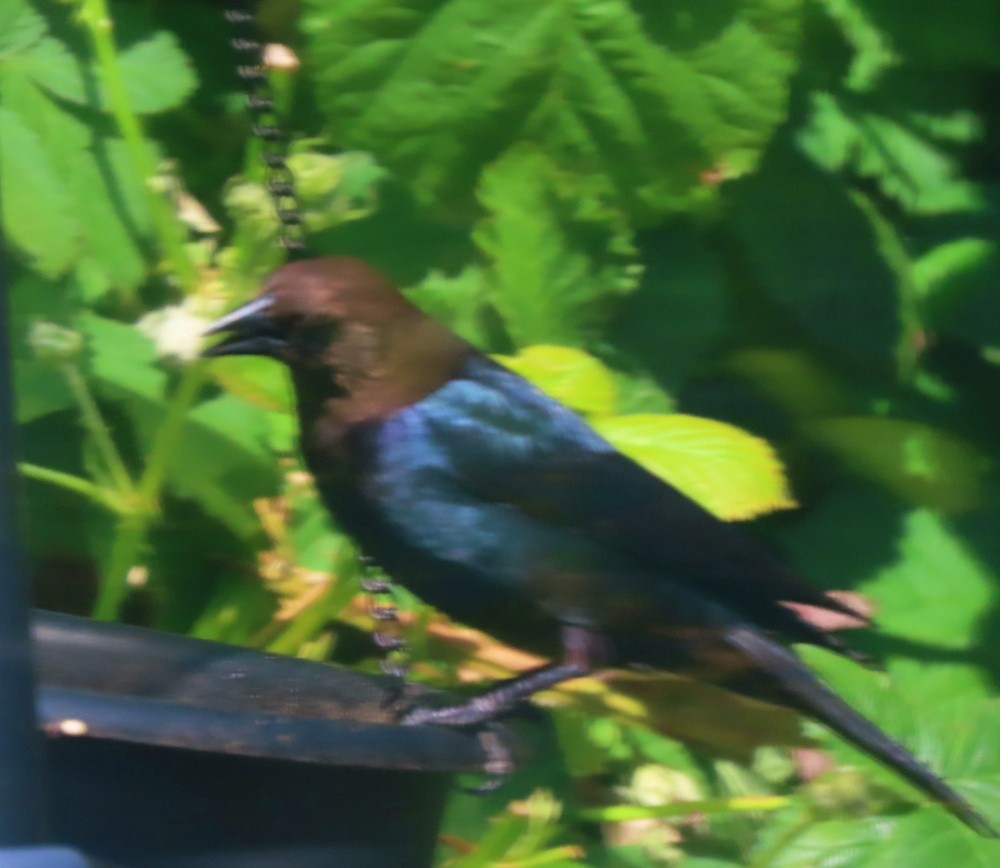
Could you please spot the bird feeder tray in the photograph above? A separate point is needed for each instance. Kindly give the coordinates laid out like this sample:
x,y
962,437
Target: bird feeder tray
x,y
170,751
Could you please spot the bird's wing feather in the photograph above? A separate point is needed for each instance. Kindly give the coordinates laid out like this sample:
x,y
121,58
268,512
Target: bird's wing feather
x,y
508,441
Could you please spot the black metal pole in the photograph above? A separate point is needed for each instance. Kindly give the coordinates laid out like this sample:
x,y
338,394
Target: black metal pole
x,y
21,814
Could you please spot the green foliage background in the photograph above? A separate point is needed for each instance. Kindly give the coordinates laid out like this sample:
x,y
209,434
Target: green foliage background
x,y
701,223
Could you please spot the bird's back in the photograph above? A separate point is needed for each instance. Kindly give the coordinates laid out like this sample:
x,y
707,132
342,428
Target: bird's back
x,y
494,502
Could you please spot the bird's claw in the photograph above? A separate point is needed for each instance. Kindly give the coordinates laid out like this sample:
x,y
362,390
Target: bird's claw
x,y
499,765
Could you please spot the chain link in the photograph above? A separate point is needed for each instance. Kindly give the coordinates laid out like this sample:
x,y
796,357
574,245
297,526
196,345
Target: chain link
x,y
278,181
383,611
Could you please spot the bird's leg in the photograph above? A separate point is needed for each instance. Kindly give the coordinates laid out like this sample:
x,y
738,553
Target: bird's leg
x,y
499,699
583,650
487,707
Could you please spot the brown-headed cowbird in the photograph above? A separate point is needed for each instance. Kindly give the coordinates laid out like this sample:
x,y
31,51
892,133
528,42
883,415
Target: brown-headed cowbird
x,y
502,508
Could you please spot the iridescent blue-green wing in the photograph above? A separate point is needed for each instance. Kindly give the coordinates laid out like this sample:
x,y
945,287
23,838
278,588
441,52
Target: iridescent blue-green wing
x,y
507,441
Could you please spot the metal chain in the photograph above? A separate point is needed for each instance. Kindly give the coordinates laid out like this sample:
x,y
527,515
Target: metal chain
x,y
279,182
383,610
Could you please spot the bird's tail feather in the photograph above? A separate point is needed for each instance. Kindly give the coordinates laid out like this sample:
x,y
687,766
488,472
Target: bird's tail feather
x,y
808,694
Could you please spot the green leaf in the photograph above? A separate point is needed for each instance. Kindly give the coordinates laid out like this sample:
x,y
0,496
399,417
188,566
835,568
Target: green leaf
x,y
237,609
114,220
256,380
931,627
458,301
682,310
520,838
940,267
223,461
922,464
952,732
123,362
929,839
657,748
647,95
912,599
39,386
571,376
956,34
335,189
929,577
873,50
314,539
36,211
698,862
890,143
157,73
557,253
833,842
792,379
640,393
821,260
255,249
960,279
331,190
64,136
728,471
40,389
20,27
55,69
104,221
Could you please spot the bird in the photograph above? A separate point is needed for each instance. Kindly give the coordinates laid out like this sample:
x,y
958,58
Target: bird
x,y
502,508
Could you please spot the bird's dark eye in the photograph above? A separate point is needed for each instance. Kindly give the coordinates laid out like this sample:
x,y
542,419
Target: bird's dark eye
x,y
311,337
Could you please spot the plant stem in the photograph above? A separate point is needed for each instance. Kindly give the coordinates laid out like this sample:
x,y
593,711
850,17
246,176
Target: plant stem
x,y
93,421
130,535
738,804
165,441
77,484
133,528
170,233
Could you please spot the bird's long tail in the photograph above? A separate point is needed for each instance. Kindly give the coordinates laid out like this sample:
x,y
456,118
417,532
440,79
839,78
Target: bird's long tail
x,y
802,690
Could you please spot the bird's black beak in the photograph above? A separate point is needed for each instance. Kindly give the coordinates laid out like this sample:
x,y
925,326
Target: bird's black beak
x,y
250,331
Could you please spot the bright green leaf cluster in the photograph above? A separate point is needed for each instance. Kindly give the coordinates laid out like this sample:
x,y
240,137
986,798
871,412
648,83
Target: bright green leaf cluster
x,y
556,252
72,197
641,95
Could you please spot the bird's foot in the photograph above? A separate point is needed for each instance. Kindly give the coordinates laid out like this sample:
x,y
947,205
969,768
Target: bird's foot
x,y
484,710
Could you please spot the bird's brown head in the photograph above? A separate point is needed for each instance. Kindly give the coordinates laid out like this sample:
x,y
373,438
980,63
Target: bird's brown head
x,y
345,332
